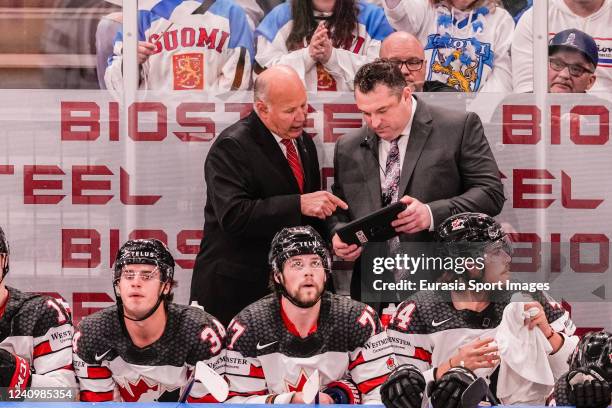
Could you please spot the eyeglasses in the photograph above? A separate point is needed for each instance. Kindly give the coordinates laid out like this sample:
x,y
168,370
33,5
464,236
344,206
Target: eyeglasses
x,y
412,64
129,274
575,70
298,264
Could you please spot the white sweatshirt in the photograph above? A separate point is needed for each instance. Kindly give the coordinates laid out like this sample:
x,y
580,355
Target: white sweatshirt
x,y
468,50
338,73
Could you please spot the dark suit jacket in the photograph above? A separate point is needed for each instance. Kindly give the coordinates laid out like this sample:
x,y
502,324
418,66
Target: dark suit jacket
x,y
448,165
251,195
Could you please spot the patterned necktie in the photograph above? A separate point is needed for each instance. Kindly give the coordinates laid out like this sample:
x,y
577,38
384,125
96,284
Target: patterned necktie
x,y
390,195
294,163
392,175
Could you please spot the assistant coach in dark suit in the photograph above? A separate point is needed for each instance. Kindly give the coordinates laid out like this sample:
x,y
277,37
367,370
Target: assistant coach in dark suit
x,y
262,174
444,163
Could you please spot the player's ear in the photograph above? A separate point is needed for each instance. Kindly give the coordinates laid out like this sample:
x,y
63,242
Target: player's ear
x,y
261,106
277,278
592,79
407,93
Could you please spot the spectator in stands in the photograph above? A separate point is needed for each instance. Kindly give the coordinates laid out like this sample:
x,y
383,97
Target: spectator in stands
x,y
188,45
572,60
107,30
467,42
406,51
325,41
594,17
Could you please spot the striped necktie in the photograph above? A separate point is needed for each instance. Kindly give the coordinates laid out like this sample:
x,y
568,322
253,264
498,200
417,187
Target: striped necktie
x,y
294,163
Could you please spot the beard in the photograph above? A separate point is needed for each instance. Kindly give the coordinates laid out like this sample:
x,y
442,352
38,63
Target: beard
x,y
305,300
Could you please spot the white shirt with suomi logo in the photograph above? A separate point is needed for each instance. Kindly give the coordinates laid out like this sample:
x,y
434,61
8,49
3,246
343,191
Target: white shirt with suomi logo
x,y
560,18
205,52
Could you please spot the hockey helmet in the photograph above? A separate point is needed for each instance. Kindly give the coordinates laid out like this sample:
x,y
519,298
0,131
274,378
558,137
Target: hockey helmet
x,y
467,233
293,241
148,252
594,351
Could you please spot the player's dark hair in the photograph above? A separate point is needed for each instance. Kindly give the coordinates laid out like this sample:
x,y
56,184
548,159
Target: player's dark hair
x,y
380,72
4,249
340,25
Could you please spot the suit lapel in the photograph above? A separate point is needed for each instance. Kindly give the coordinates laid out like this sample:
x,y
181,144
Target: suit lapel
x,y
264,138
371,170
419,132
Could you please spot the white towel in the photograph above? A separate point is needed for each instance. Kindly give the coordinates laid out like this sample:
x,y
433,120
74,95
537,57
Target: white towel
x,y
525,376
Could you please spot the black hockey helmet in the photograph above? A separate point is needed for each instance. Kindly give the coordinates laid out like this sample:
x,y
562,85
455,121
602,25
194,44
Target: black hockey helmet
x,y
594,351
4,250
467,233
293,241
147,252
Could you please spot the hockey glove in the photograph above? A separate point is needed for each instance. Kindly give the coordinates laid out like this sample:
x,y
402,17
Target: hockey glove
x,y
15,371
583,388
448,390
404,388
343,392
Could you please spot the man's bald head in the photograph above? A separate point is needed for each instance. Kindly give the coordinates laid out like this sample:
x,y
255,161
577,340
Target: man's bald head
x,y
405,47
275,81
280,101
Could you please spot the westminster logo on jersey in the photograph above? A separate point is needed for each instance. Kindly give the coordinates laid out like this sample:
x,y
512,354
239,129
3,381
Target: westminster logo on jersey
x,y
458,62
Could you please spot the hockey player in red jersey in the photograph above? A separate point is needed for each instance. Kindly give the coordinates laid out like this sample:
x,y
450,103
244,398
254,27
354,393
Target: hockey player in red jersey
x,y
284,341
35,336
145,348
449,336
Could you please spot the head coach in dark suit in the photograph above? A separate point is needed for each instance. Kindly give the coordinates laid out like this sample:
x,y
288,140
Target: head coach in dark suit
x,y
262,174
436,161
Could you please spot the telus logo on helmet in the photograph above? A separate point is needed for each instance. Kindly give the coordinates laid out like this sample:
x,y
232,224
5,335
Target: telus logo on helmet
x,y
139,254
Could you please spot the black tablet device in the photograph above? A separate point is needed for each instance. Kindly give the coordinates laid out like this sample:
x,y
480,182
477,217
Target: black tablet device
x,y
374,227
